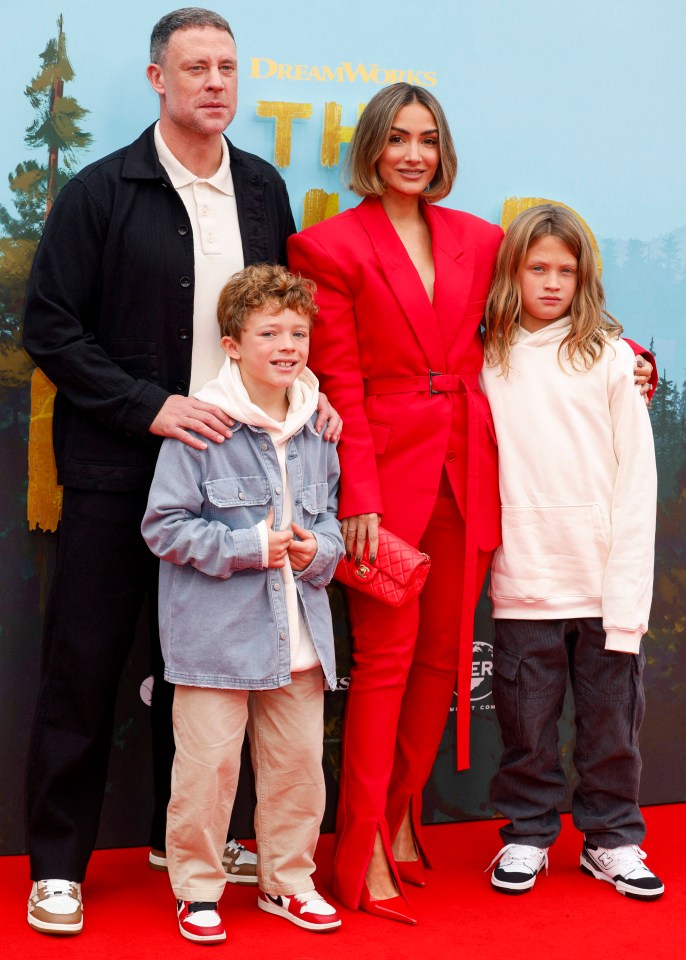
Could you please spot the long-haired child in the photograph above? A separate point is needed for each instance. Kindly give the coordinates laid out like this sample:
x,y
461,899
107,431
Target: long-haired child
x,y
571,584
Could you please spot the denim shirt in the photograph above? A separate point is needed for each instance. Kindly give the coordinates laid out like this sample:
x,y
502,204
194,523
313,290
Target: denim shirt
x,y
222,615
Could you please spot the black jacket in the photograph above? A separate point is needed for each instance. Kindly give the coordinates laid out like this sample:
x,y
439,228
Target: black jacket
x,y
109,305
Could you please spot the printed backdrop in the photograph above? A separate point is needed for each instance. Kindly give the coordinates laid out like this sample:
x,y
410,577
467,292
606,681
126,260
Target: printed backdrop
x,y
581,105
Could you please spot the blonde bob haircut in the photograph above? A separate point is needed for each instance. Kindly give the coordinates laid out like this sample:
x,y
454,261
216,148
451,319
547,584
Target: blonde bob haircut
x,y
263,286
371,136
591,324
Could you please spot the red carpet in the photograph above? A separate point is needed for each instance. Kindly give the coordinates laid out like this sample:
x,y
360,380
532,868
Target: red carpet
x,y
129,910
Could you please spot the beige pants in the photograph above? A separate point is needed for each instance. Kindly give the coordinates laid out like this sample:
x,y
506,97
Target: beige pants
x,y
286,730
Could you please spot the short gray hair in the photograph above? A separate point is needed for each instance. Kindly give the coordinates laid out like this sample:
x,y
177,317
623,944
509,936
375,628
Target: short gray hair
x,y
181,20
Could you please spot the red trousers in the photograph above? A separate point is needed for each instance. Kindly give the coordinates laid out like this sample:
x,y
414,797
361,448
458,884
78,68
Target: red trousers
x,y
401,687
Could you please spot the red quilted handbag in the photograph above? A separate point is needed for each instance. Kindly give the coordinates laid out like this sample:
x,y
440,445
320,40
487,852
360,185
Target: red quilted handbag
x,y
396,576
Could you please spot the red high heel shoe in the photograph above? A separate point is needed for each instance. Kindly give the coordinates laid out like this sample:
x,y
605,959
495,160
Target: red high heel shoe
x,y
412,871
392,909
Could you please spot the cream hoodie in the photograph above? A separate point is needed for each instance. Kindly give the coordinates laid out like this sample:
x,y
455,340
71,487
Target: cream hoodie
x,y
229,394
578,486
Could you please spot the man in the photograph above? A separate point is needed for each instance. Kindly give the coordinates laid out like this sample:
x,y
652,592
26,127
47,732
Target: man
x,y
121,315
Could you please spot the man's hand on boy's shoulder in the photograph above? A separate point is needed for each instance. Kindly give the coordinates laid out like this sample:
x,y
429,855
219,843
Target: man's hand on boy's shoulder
x,y
178,415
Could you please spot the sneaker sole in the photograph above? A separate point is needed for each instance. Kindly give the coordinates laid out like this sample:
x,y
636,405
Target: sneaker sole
x,y
513,889
298,921
633,893
61,929
196,938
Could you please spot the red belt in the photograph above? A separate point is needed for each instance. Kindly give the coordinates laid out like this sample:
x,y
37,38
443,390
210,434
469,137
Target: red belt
x,y
435,383
431,382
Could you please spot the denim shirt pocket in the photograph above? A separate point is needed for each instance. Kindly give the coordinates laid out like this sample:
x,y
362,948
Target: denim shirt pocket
x,y
238,501
315,499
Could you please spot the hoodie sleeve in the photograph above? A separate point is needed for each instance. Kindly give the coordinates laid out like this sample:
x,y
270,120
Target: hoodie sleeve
x,y
628,582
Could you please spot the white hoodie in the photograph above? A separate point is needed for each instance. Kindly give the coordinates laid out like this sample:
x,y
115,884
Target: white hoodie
x,y
578,486
228,392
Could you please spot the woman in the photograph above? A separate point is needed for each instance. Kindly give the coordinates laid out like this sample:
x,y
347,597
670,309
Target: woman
x,y
401,287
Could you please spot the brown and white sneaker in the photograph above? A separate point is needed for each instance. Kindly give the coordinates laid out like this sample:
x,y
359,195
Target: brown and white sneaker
x,y
55,906
240,864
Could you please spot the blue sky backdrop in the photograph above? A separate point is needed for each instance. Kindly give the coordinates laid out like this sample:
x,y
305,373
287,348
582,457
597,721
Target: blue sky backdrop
x,y
579,103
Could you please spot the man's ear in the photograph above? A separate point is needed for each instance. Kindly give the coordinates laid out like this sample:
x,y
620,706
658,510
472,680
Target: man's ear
x,y
231,348
154,75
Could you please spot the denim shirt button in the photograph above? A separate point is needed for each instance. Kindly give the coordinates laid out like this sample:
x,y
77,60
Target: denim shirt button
x,y
277,491
263,446
277,586
241,496
282,636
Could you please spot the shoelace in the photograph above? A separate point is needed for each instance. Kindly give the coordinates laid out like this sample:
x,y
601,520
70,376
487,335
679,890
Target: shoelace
x,y
59,888
307,896
520,853
311,897
628,861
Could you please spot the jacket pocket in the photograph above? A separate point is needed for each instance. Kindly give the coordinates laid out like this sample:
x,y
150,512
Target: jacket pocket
x,y
380,433
315,498
550,552
135,357
236,501
238,491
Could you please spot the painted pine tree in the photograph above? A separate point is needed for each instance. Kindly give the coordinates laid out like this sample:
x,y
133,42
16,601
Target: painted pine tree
x,y
56,134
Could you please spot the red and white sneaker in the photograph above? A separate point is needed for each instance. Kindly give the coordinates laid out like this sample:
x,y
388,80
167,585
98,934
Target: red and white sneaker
x,y
308,910
200,922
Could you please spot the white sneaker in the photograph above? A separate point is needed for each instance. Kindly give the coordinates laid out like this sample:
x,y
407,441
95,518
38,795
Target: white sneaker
x,y
518,867
624,867
308,910
55,906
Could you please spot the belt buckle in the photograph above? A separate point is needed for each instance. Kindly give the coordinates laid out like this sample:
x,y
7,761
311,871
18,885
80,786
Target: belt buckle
x,y
432,374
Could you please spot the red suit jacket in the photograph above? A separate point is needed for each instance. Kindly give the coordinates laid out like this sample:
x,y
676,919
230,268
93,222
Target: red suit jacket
x,y
376,323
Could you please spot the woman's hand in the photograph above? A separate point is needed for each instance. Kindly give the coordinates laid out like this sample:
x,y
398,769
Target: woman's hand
x,y
357,531
643,370
326,412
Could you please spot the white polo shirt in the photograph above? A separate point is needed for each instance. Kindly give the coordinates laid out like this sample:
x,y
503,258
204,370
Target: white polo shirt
x,y
217,248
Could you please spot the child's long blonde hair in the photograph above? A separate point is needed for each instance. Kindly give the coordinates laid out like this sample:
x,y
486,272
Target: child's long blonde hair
x,y
591,324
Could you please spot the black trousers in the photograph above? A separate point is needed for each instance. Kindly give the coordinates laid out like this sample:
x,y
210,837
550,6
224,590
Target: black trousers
x,y
103,573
